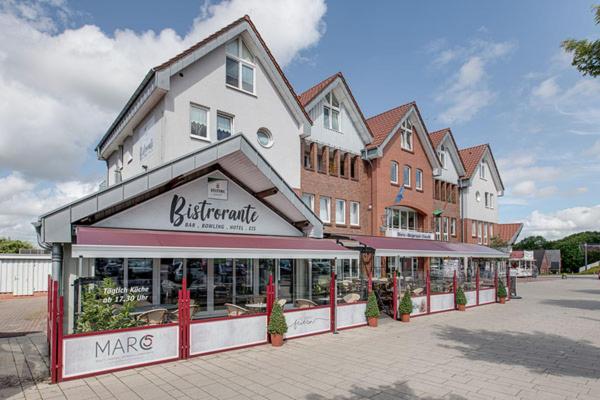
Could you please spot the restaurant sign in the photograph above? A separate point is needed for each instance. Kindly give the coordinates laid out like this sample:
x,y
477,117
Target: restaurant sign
x,y
89,354
211,203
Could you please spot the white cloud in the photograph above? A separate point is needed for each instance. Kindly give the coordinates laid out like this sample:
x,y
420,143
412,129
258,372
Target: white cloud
x,y
519,167
62,85
467,91
561,223
593,151
547,89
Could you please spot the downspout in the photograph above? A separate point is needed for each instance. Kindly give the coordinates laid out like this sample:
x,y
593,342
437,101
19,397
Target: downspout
x,y
371,197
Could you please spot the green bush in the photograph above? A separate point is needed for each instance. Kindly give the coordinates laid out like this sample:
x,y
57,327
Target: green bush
x,y
277,324
99,312
461,299
501,289
372,310
406,305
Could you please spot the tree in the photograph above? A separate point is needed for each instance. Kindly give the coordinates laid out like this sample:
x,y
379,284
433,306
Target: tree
x,y
586,54
532,243
497,243
8,245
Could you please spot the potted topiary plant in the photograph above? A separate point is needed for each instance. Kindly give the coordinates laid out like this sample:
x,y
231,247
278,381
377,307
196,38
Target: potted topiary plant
x,y
406,307
461,299
372,311
277,325
501,292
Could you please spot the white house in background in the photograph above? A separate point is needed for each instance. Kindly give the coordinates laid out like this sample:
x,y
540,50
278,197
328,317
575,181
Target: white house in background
x,y
226,84
480,188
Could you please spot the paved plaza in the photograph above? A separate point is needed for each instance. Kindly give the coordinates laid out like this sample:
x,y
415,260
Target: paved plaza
x,y
544,346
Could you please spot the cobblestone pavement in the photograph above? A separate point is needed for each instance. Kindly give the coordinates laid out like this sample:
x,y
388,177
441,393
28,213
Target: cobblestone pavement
x,y
544,346
22,315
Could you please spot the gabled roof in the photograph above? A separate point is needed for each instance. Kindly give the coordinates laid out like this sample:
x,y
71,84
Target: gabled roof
x,y
472,156
153,81
307,97
438,138
509,232
381,125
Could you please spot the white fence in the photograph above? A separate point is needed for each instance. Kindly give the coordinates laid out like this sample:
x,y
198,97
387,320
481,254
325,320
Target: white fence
x,y
24,274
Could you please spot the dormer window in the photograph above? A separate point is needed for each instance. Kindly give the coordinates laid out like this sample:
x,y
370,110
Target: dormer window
x,y
331,112
482,170
240,68
406,132
442,156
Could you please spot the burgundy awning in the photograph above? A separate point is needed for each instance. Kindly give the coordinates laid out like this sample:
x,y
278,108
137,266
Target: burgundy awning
x,y
389,247
111,242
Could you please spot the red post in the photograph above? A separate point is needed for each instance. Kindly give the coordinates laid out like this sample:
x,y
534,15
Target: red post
x,y
54,334
508,281
332,301
454,282
395,296
183,307
496,284
428,289
59,338
477,284
270,301
49,310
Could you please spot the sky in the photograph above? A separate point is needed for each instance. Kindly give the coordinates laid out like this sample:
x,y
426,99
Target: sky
x,y
491,71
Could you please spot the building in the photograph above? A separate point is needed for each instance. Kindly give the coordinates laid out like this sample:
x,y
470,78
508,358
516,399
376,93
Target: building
x,y
480,188
548,261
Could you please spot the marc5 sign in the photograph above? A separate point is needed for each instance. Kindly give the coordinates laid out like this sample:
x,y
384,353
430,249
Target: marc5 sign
x,y
103,352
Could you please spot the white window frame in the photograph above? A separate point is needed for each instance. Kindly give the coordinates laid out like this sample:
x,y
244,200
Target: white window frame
x,y
328,104
207,111
446,228
357,205
343,203
241,62
453,227
226,116
492,201
311,200
419,179
396,166
406,141
473,228
438,228
407,184
327,199
482,170
479,233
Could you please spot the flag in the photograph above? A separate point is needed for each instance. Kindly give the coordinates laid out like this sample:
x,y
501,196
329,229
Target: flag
x,y
400,195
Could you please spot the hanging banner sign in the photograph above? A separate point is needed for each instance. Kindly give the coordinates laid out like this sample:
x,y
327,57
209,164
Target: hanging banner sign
x,y
90,354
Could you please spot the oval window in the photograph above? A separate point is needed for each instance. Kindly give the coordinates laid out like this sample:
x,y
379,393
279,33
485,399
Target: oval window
x,y
264,137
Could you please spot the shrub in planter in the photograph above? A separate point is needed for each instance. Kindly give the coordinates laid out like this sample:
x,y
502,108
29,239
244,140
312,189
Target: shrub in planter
x,y
501,292
277,325
372,311
461,299
406,306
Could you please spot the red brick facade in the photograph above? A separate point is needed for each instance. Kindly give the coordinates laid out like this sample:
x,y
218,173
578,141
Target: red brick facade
x,y
446,199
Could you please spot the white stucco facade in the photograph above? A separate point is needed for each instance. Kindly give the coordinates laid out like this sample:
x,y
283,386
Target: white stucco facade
x,y
164,132
449,171
475,209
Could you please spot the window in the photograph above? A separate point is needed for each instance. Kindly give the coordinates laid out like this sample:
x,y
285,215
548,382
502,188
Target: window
x,y
406,176
324,208
487,200
491,200
482,170
478,196
331,112
332,162
340,211
438,228
407,131
453,226
479,233
442,156
491,231
394,172
264,137
343,171
309,200
354,168
354,213
308,159
224,126
321,159
445,229
419,179
239,64
198,121
485,234
401,219
473,229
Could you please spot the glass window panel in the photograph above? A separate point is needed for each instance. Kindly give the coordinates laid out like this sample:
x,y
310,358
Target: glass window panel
x,y
395,218
335,120
244,281
171,277
233,48
248,78
309,200
199,121
334,101
404,220
324,207
326,123
406,176
232,72
394,172
110,268
266,268
285,287
320,278
223,127
197,279
353,168
223,282
354,213
340,211
246,55
411,220
139,280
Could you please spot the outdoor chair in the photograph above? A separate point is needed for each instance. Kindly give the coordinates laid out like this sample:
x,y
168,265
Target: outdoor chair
x,y
153,317
351,298
417,291
305,303
234,311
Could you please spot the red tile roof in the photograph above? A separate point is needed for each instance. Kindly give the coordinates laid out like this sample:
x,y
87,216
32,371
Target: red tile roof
x,y
509,232
308,96
471,157
437,136
382,124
